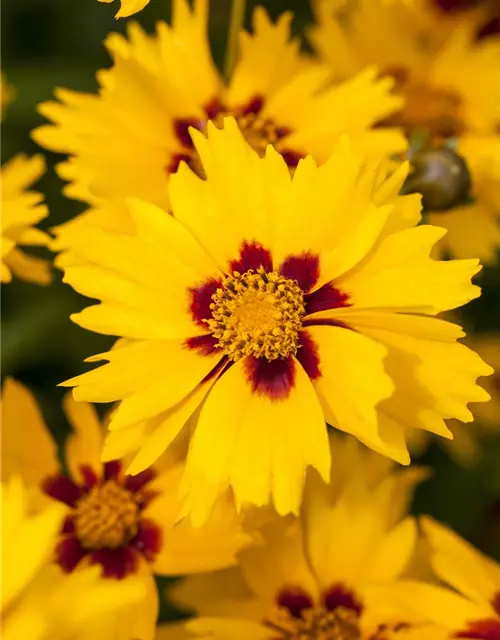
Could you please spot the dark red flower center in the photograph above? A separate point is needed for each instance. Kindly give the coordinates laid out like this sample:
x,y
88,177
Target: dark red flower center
x,y
106,517
261,313
258,130
487,629
297,616
106,524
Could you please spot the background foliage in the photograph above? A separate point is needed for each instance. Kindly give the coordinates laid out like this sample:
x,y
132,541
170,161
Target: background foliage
x,y
49,43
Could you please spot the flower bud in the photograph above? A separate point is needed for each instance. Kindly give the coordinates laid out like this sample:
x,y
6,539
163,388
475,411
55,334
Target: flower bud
x,y
441,176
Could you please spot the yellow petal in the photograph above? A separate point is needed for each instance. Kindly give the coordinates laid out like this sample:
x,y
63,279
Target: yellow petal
x,y
129,7
223,593
27,540
138,619
268,58
160,433
412,325
27,445
29,268
279,561
352,382
436,378
440,605
458,564
473,231
347,529
259,446
319,112
149,376
220,629
84,445
20,172
213,209
394,554
399,275
188,549
122,442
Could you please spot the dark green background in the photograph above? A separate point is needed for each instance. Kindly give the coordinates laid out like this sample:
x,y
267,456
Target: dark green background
x,y
49,43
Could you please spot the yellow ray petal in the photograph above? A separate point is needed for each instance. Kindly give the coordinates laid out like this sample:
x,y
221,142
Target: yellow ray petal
x,y
440,605
260,446
222,593
437,377
27,445
188,549
458,564
473,231
213,209
159,435
400,275
84,445
26,540
352,382
268,58
141,369
129,7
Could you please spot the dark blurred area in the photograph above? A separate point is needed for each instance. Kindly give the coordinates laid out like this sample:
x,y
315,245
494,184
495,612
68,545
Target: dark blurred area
x,y
51,43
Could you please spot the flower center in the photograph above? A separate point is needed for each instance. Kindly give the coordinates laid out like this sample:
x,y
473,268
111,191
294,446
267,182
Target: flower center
x,y
257,313
435,110
259,131
315,623
107,517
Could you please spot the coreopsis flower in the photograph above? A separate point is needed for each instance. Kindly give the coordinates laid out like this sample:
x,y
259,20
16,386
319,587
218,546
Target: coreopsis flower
x,y
451,98
264,305
37,601
129,7
330,573
124,525
21,210
466,448
472,608
128,139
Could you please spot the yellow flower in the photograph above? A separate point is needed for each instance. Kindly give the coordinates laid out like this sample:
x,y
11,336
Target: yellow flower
x,y
21,209
125,525
451,92
38,602
7,94
472,609
128,139
266,304
335,568
466,447
129,7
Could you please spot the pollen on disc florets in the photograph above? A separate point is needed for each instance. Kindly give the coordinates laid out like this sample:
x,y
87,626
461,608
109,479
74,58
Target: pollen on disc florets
x,y
257,313
107,517
257,131
316,623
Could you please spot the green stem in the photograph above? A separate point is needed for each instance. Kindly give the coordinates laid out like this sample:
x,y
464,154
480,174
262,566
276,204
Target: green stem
x,y
235,25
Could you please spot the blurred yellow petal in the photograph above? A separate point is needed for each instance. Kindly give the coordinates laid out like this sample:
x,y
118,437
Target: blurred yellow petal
x,y
129,7
21,209
188,549
457,563
28,448
83,446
